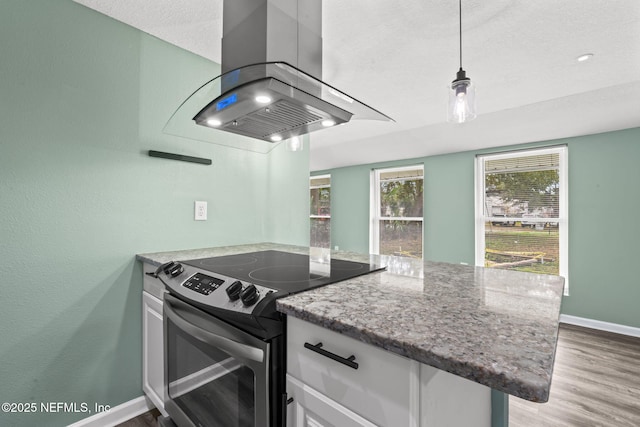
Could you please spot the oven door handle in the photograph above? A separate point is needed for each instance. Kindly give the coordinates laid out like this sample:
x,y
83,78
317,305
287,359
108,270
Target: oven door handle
x,y
232,347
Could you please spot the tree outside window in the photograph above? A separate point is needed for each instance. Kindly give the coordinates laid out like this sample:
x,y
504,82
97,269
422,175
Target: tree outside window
x,y
397,209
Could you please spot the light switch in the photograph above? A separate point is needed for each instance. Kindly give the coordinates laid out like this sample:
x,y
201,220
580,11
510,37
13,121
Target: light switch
x,y
201,211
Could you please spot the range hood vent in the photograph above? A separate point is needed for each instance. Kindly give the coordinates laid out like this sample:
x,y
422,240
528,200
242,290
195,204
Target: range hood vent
x,y
285,111
263,92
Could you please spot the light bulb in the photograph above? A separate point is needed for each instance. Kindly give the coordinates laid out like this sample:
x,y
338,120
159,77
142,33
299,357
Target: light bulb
x,y
276,138
460,109
263,99
328,123
461,101
214,122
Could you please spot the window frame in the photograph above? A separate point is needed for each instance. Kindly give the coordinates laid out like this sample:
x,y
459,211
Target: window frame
x,y
313,187
313,217
374,208
563,202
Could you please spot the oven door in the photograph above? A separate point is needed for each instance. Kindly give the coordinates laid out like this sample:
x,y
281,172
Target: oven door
x,y
215,374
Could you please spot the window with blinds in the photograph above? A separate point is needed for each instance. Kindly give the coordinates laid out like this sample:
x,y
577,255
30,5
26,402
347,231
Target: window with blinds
x,y
396,211
521,212
320,210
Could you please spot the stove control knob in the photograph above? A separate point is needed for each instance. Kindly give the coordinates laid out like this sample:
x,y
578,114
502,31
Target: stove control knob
x,y
167,266
249,295
233,291
176,270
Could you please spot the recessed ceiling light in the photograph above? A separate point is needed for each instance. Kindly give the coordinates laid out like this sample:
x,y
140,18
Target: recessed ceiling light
x,y
276,138
263,99
214,122
328,123
584,57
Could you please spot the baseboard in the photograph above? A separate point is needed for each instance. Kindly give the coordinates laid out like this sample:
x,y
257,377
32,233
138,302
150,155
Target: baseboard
x,y
117,414
603,326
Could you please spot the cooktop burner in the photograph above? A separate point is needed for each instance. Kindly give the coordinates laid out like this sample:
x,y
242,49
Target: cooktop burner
x,y
283,271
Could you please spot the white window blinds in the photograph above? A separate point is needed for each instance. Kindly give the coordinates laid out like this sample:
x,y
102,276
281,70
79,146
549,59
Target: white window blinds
x,y
521,220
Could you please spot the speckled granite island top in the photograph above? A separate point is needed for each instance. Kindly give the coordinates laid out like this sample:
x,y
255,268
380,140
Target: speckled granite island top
x,y
495,327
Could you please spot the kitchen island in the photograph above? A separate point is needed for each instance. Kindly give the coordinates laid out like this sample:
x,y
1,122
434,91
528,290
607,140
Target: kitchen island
x,y
493,327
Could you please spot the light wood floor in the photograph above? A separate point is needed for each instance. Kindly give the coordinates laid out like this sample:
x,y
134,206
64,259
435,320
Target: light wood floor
x,y
596,382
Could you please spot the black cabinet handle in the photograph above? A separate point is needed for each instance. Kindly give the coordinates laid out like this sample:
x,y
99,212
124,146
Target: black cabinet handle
x,y
349,361
285,403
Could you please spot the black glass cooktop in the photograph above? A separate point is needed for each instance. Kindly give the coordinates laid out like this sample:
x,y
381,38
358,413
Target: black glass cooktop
x,y
283,271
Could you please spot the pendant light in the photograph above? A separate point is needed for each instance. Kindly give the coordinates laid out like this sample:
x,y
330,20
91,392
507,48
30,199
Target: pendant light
x,y
294,144
462,99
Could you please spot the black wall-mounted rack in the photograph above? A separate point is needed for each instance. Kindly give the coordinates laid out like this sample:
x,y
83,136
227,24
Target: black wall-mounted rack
x,y
180,157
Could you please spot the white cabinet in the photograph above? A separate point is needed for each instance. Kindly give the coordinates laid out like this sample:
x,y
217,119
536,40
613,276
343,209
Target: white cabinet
x,y
310,408
383,389
386,390
447,400
153,350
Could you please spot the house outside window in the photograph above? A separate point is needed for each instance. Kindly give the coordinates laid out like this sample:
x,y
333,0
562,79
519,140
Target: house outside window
x,y
320,210
522,212
397,211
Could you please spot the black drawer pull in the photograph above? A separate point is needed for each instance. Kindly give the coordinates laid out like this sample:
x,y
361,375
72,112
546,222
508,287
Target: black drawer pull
x,y
349,361
285,403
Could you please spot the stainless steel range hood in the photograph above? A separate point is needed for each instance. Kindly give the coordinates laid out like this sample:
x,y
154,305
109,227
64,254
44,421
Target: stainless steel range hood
x,y
270,88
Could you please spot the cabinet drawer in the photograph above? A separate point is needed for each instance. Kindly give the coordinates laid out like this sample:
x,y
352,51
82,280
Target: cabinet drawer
x,y
382,389
311,408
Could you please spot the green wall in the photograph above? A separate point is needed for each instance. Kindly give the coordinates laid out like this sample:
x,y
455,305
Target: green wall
x,y
83,97
349,200
604,231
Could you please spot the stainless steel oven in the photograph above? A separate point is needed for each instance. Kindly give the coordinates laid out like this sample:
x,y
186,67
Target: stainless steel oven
x,y
224,340
217,374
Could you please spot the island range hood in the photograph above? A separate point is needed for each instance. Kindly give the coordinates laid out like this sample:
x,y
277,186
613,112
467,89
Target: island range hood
x,y
270,86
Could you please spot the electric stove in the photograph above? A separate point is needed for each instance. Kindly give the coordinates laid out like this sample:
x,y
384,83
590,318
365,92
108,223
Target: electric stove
x,y
225,342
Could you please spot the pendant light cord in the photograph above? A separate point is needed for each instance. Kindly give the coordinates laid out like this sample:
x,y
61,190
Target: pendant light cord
x,y
460,15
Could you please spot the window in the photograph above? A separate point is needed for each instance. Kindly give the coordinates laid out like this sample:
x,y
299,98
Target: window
x,y
396,211
521,211
320,210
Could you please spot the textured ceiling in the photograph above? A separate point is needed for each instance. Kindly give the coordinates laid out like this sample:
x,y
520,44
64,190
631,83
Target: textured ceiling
x,y
399,56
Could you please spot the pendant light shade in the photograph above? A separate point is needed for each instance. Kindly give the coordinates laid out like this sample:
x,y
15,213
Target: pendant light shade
x,y
462,93
462,99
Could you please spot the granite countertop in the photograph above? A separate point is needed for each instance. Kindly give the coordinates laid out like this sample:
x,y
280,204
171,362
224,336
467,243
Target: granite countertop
x,y
158,258
495,327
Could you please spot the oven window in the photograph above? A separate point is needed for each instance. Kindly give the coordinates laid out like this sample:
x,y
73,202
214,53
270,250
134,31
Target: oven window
x,y
210,386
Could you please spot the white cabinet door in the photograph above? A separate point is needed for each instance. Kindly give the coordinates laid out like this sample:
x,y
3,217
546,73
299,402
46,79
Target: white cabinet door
x,y
383,389
310,408
153,350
